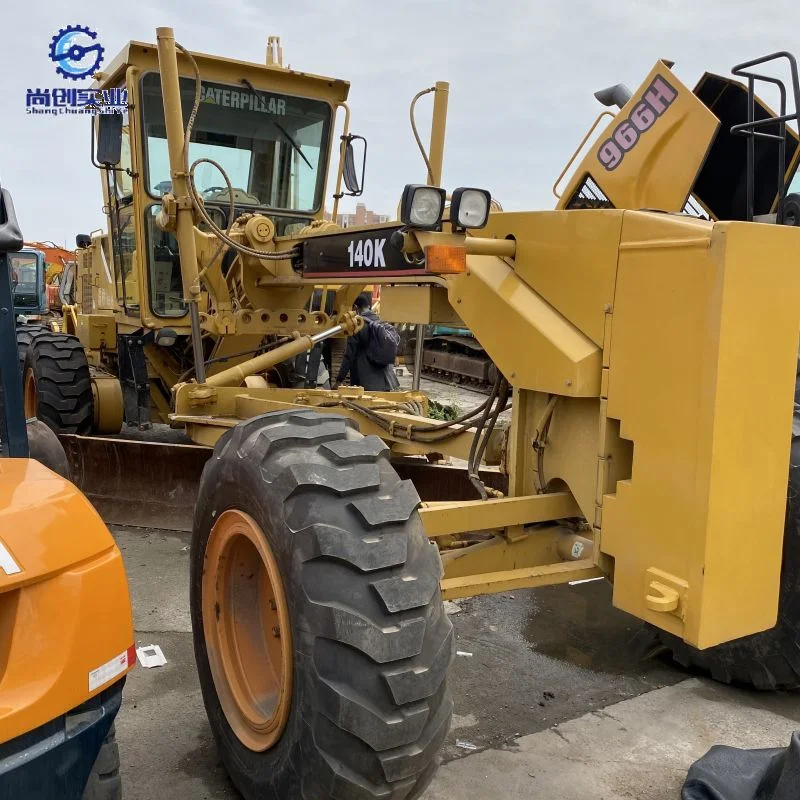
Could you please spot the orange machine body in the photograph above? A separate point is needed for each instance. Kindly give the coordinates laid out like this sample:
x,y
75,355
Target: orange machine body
x,y
66,629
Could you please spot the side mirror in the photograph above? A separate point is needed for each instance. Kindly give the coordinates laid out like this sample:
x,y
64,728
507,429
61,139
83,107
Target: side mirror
x,y
66,289
10,234
354,184
83,240
109,139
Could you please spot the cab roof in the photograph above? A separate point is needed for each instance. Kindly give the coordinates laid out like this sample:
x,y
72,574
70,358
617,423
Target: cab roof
x,y
144,57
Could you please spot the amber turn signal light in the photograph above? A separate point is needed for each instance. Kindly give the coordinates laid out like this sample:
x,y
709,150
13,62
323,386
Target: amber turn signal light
x,y
445,259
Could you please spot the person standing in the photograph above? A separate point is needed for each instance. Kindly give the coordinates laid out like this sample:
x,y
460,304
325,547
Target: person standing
x,y
370,354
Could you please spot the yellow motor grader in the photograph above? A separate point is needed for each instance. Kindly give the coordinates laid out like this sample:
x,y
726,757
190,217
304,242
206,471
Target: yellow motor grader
x,y
648,355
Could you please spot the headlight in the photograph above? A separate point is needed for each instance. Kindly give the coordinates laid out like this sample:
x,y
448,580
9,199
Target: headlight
x,y
469,208
422,206
166,337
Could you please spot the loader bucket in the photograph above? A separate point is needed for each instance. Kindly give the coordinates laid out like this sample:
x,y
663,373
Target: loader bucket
x,y
154,485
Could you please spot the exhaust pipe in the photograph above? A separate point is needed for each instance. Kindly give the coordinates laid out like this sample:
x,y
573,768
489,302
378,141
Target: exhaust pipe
x,y
616,95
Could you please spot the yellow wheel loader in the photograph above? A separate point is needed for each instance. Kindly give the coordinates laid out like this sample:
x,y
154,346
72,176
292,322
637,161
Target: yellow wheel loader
x,y
66,634
648,356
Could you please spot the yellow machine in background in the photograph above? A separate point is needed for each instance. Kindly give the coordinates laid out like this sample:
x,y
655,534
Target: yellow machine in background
x,y
649,358
670,148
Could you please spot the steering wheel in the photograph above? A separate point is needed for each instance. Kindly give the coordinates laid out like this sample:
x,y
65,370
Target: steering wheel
x,y
239,195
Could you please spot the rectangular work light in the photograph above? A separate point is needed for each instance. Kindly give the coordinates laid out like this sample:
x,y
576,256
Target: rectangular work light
x,y
469,208
422,206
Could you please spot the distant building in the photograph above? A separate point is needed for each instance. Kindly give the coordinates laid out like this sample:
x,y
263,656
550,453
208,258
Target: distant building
x,y
362,216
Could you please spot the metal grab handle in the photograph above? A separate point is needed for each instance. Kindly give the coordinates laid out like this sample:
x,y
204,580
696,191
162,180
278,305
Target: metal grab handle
x,y
661,597
578,150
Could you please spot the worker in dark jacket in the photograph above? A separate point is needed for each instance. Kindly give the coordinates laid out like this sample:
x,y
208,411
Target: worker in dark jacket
x,y
363,370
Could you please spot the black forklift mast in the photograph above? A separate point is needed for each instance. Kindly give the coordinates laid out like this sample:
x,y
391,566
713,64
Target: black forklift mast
x,y
13,432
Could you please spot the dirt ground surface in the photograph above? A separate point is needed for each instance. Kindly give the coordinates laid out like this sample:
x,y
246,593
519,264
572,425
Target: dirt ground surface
x,y
557,698
557,694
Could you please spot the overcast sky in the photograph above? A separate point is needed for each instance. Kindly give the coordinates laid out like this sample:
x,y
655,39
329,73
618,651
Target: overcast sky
x,y
522,76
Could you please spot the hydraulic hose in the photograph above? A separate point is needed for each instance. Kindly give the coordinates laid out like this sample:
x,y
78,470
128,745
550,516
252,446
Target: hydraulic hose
x,y
223,236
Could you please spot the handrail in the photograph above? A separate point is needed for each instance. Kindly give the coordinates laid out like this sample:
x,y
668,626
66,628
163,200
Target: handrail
x,y
749,128
578,150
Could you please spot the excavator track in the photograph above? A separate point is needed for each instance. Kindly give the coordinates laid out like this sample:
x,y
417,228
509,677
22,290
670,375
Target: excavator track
x,y
454,357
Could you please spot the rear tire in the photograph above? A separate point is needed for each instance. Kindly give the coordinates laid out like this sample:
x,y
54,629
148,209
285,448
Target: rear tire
x,y
105,782
371,645
56,383
45,447
791,210
771,659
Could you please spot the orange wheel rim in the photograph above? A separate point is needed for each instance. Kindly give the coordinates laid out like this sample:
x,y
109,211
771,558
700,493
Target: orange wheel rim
x,y
30,403
247,631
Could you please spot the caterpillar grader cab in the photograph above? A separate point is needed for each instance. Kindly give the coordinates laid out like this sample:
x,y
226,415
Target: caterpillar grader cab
x,y
648,357
66,634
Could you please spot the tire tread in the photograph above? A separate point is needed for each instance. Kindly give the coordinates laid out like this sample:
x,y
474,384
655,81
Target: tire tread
x,y
63,383
374,644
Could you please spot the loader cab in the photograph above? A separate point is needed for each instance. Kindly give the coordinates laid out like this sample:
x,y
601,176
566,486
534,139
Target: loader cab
x,y
269,127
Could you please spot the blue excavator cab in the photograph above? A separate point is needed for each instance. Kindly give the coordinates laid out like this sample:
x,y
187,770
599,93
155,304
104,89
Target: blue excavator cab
x,y
26,269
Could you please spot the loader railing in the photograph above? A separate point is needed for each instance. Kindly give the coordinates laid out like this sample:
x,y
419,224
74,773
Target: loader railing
x,y
751,128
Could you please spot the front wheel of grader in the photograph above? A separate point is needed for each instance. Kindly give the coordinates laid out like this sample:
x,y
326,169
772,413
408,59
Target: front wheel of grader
x,y
321,641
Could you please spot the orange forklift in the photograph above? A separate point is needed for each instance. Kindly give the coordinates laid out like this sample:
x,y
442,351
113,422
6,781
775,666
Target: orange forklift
x,y
66,629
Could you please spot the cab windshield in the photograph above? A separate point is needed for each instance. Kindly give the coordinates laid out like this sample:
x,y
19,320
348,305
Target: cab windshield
x,y
272,146
23,274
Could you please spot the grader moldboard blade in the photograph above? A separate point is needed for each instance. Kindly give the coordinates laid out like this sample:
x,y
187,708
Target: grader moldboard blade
x,y
154,485
142,484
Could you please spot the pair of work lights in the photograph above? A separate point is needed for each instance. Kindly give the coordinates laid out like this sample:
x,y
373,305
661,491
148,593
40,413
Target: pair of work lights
x,y
423,207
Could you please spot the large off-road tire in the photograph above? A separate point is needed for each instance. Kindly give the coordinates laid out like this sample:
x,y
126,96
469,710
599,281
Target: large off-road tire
x,y
771,659
45,447
321,641
791,209
56,384
105,782
25,335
